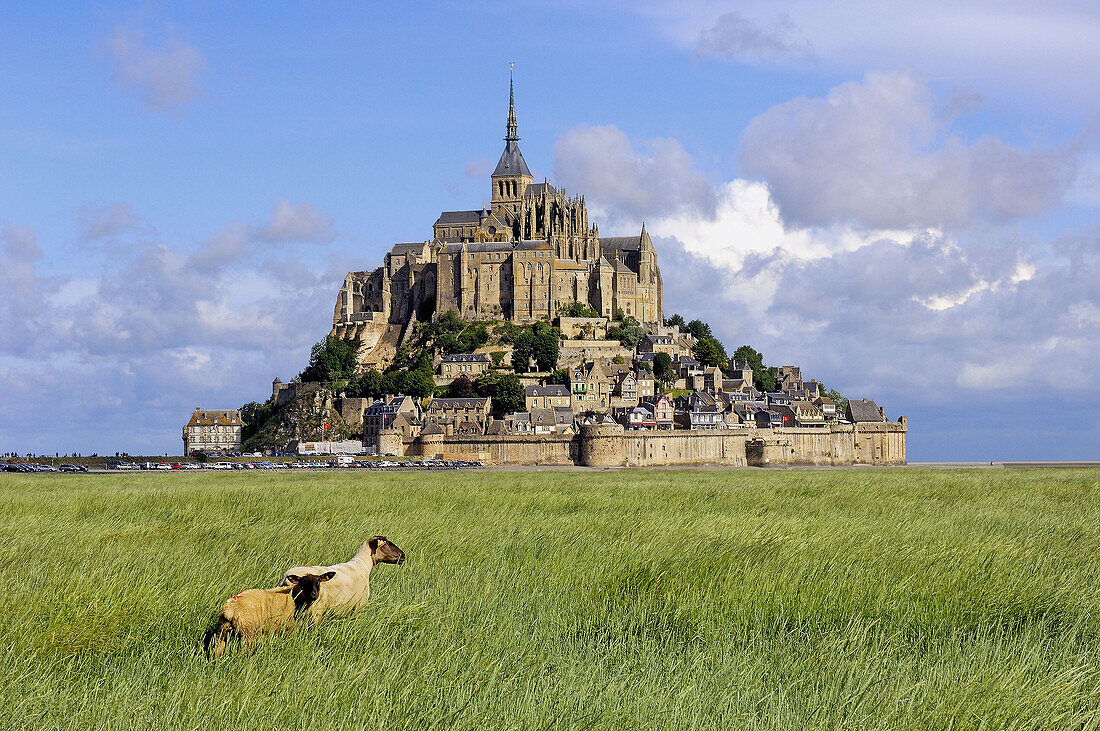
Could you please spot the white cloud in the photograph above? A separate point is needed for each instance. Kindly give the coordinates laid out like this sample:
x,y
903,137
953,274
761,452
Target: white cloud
x,y
651,178
97,222
876,153
165,77
155,334
734,36
1015,48
288,224
20,244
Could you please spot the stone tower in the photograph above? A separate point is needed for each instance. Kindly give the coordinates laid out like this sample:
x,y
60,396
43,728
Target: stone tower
x,y
512,176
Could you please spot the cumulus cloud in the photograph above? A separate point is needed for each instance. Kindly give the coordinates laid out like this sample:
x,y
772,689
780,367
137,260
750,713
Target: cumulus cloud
x,y
157,332
939,322
653,177
1019,50
24,291
876,153
735,36
289,223
20,244
164,77
99,222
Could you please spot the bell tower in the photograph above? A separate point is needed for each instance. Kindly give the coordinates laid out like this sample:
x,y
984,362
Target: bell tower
x,y
511,177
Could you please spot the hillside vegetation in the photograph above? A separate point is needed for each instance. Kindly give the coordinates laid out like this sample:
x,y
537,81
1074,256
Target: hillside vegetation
x,y
871,599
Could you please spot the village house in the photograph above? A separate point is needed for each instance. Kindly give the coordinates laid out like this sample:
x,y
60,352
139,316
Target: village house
x,y
664,411
546,397
590,388
827,406
801,414
384,414
458,416
768,418
638,417
213,431
698,410
470,365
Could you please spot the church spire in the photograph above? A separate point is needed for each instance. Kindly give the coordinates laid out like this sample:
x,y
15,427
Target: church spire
x,y
511,136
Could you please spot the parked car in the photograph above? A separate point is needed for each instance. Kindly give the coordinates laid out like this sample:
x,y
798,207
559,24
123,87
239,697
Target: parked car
x,y
73,468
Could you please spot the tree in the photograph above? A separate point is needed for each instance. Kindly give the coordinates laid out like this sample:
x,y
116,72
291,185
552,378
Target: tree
x,y
763,378
618,360
560,377
619,314
699,329
505,389
461,387
418,382
662,366
628,332
675,320
522,350
840,401
331,359
368,385
545,345
578,309
710,352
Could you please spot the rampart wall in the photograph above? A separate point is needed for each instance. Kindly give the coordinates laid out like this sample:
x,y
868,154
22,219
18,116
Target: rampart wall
x,y
609,445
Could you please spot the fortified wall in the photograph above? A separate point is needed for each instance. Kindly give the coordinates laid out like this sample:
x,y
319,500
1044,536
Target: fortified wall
x,y
609,445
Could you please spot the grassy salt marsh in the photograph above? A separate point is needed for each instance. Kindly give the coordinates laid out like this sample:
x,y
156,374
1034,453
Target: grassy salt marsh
x,y
868,599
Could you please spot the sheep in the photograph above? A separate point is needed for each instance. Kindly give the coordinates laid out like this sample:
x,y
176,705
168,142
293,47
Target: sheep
x,y
350,589
258,611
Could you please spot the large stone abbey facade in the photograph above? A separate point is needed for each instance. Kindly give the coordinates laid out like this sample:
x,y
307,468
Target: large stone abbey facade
x,y
522,259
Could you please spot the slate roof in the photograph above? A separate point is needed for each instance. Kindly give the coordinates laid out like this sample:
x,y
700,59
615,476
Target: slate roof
x,y
215,417
443,404
544,417
622,243
465,358
414,247
452,218
507,247
535,189
511,162
552,390
863,410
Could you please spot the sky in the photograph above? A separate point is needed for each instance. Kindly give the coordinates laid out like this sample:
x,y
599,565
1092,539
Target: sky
x,y
902,199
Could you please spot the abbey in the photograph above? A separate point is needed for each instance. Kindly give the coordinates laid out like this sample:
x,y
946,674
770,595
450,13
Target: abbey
x,y
528,255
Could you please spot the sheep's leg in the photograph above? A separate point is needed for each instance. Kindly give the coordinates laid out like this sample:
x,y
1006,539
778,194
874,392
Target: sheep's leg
x,y
217,636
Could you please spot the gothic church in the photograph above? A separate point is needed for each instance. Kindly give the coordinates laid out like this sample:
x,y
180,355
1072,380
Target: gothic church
x,y
524,258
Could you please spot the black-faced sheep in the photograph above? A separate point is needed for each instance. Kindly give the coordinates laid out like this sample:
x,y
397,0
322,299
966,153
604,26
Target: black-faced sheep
x,y
259,611
350,588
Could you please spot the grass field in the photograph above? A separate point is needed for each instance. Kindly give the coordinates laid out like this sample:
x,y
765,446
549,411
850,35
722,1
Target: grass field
x,y
636,599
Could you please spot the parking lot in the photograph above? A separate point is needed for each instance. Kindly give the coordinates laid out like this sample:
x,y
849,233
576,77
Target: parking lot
x,y
308,464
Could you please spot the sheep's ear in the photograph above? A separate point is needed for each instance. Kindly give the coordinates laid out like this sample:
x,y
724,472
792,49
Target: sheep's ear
x,y
326,577
293,579
373,543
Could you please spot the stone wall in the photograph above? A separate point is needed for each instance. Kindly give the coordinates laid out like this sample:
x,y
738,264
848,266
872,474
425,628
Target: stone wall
x,y
609,445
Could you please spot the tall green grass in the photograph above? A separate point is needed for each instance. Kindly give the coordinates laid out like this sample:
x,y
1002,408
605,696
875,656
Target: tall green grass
x,y
877,599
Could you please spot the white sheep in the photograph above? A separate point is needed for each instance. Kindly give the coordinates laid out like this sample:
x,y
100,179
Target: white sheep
x,y
350,588
258,611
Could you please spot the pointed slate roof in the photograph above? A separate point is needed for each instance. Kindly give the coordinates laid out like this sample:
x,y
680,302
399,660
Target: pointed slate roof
x,y
511,161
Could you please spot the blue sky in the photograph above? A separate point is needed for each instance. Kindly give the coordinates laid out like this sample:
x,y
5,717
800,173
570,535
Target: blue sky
x,y
904,202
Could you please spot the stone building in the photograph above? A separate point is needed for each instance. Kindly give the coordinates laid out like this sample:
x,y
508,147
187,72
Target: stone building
x,y
213,430
527,255
470,365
